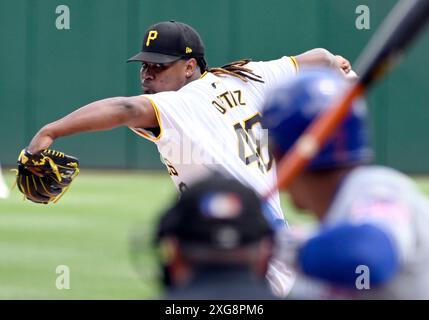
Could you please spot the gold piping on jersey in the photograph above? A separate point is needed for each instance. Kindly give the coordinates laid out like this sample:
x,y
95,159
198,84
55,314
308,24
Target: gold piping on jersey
x,y
295,63
204,74
141,132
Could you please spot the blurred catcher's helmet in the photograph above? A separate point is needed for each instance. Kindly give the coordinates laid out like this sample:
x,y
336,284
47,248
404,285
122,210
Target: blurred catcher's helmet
x,y
296,103
218,213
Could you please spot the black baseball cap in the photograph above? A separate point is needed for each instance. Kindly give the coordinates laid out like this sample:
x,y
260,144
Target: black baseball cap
x,y
216,213
169,41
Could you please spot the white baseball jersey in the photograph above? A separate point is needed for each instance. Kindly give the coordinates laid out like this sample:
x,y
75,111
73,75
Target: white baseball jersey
x,y
213,124
390,200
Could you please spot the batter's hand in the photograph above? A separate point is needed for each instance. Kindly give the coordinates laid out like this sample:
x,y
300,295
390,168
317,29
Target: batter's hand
x,y
343,64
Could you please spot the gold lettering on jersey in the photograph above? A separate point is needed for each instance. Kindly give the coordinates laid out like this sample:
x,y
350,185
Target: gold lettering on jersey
x,y
225,97
237,93
219,107
170,168
233,99
228,100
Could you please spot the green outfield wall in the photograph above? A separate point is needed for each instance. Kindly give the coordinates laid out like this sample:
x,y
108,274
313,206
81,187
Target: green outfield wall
x,y
46,72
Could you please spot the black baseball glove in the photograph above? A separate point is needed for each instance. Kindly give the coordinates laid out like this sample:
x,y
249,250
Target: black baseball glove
x,y
43,177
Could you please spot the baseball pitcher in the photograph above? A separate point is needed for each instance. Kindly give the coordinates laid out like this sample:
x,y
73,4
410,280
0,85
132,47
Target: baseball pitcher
x,y
201,119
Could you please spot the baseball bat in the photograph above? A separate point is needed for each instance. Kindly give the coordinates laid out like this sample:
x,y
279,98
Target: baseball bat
x,y
396,33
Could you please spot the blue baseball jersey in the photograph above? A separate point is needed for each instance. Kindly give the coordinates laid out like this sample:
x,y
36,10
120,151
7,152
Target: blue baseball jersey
x,y
377,223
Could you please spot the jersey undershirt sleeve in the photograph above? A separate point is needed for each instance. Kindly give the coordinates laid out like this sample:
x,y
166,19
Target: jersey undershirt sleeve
x,y
171,113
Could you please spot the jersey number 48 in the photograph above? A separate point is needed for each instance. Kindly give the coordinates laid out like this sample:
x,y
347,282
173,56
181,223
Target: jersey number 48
x,y
253,143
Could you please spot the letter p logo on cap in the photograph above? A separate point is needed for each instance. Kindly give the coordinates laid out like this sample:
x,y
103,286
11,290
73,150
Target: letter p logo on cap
x,y
153,34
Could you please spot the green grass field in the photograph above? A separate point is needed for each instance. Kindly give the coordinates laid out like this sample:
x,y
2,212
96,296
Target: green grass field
x,y
88,230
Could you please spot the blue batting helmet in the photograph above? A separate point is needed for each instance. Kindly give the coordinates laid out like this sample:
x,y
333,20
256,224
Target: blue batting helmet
x,y
296,103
